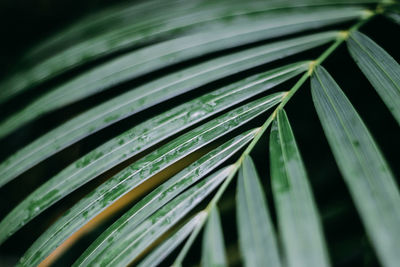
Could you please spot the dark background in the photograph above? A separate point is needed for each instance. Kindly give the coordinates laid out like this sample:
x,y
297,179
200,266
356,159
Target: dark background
x,y
25,23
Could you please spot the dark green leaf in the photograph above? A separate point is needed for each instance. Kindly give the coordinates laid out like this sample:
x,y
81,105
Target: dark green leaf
x,y
148,59
233,32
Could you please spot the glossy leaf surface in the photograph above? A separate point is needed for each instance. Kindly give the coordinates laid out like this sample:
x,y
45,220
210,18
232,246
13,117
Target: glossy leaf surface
x,y
151,58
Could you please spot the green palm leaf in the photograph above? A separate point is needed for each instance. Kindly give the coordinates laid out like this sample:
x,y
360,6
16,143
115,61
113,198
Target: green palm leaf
x,y
137,140
213,252
125,24
380,68
202,70
365,171
136,241
163,250
142,170
160,55
146,96
256,234
160,196
297,215
240,31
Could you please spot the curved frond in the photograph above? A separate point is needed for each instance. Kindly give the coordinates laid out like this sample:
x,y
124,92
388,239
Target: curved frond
x,y
193,87
142,170
138,139
134,242
131,25
146,96
161,55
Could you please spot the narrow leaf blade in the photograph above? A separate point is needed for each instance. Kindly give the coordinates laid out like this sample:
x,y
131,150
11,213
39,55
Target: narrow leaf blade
x,y
379,67
213,252
256,235
365,171
298,218
135,241
162,251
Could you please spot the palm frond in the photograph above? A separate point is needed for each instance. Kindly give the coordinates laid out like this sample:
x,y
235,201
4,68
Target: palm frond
x,y
210,78
138,139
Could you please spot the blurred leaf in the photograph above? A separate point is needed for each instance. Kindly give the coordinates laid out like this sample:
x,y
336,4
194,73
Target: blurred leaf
x,y
393,13
146,96
213,252
256,235
235,32
151,58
